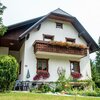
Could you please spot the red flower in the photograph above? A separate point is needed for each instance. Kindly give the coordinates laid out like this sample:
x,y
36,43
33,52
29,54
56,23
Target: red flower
x,y
76,75
43,75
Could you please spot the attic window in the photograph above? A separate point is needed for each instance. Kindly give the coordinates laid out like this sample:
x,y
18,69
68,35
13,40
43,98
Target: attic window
x,y
59,25
48,37
70,40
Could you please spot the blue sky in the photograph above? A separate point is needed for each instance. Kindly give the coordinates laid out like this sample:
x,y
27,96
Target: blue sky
x,y
86,11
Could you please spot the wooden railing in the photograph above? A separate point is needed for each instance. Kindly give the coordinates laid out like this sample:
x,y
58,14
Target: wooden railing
x,y
45,46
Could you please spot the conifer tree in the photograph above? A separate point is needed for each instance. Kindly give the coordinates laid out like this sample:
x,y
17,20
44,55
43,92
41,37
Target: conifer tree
x,y
98,58
97,63
2,27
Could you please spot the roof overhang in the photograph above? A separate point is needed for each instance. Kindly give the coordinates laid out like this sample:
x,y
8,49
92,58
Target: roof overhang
x,y
59,15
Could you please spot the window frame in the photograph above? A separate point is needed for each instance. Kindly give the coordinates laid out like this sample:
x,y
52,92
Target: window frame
x,y
42,66
70,39
49,37
73,67
59,25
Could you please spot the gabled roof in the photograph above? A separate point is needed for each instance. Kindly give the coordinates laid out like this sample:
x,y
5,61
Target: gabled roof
x,y
21,24
58,12
61,12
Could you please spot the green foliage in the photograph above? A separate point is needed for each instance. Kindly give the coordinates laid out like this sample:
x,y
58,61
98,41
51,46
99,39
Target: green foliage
x,y
93,70
8,72
62,83
84,93
61,74
95,67
2,8
3,29
95,74
35,90
97,61
45,88
89,93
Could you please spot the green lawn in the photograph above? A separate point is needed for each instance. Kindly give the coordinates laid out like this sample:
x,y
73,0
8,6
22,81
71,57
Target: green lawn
x,y
31,96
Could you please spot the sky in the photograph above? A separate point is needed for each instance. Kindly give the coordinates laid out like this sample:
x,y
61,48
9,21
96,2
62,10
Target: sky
x,y
86,11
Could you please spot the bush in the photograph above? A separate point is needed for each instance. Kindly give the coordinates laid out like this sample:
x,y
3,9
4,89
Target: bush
x,y
59,87
45,88
8,72
62,83
90,93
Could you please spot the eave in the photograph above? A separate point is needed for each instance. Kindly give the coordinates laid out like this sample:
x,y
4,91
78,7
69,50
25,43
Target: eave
x,y
57,14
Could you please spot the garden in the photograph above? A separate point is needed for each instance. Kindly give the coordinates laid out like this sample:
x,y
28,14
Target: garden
x,y
68,86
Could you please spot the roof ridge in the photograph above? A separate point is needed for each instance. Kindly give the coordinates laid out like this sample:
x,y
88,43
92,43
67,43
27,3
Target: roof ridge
x,y
58,9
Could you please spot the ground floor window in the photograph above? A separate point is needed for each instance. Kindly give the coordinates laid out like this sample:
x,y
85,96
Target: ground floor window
x,y
75,69
42,65
75,66
42,69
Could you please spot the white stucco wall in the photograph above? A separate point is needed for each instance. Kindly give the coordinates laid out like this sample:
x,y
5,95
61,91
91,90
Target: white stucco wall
x,y
4,50
85,68
21,59
56,62
49,27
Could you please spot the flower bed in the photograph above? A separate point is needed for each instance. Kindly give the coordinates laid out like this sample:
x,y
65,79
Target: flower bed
x,y
76,75
41,75
68,44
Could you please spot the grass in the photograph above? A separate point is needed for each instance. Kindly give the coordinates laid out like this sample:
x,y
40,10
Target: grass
x,y
31,96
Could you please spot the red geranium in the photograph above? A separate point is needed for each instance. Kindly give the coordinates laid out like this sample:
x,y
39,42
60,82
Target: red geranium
x,y
41,75
76,75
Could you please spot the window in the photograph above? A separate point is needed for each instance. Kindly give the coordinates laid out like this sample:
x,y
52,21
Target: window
x,y
74,66
59,25
48,37
70,40
42,65
20,67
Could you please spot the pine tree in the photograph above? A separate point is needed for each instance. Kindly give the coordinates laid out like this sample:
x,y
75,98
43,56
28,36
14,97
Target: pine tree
x,y
2,27
97,63
93,70
98,58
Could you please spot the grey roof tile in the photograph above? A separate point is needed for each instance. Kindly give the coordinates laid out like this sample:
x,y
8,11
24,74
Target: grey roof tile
x,y
61,12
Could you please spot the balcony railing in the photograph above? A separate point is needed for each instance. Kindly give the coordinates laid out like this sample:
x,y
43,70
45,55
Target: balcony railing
x,y
52,47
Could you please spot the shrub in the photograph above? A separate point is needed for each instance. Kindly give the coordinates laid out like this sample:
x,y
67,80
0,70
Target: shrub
x,y
8,72
59,87
45,88
62,83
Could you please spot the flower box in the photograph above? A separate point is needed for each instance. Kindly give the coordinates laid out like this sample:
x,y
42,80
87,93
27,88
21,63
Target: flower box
x,y
41,75
76,75
68,44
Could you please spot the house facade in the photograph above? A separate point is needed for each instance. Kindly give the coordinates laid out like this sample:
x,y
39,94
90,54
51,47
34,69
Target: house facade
x,y
48,43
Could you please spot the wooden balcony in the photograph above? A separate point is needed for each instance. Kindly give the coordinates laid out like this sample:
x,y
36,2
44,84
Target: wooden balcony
x,y
49,47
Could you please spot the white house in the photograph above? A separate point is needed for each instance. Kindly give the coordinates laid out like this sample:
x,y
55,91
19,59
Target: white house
x,y
47,43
